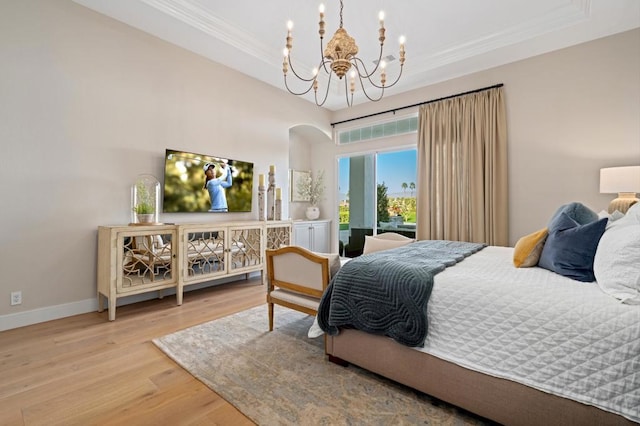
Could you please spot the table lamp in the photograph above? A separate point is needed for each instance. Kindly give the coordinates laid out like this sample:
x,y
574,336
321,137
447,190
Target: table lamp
x,y
625,181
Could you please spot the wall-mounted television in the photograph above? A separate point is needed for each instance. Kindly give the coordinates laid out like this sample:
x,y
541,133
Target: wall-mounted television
x,y
204,183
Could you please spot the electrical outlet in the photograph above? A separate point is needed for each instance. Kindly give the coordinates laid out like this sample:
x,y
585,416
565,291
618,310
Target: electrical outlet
x,y
16,298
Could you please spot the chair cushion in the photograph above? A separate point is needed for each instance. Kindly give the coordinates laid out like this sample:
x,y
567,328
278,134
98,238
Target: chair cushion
x,y
295,298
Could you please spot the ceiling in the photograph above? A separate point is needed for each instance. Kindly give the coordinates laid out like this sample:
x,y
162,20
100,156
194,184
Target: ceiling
x,y
445,39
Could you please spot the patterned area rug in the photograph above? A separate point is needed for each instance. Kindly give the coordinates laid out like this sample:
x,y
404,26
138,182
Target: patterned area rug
x,y
283,377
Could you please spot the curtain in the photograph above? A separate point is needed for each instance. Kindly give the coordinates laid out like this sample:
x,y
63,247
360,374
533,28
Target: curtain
x,y
462,169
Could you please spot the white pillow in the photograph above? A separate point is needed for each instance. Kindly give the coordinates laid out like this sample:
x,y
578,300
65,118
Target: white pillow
x,y
372,244
634,210
617,261
612,217
393,236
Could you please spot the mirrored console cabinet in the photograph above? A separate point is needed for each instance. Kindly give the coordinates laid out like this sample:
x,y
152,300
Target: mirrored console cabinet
x,y
141,259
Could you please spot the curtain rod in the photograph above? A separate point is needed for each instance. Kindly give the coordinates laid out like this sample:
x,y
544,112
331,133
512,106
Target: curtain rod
x,y
418,104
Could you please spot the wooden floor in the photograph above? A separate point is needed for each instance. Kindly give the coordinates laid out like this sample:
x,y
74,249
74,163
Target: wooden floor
x,y
85,370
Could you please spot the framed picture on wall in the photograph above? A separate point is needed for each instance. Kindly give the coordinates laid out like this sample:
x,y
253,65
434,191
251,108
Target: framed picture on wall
x,y
297,176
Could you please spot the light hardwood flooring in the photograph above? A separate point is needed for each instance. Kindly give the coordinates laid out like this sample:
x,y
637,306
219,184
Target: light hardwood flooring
x,y
85,370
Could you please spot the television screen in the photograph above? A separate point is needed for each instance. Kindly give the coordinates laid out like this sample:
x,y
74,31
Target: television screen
x,y
202,183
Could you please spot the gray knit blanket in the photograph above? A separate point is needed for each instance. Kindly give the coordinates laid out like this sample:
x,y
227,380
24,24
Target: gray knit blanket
x,y
387,292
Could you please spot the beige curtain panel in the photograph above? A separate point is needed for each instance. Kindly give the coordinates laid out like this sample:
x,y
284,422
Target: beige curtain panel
x,y
462,169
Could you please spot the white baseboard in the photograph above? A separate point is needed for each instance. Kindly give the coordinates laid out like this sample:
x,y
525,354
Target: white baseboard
x,y
49,313
22,319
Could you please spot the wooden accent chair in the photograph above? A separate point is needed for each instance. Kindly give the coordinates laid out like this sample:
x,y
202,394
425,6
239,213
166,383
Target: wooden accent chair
x,y
296,279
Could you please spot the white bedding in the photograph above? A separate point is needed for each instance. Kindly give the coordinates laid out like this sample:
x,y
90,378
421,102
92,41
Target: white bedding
x,y
538,328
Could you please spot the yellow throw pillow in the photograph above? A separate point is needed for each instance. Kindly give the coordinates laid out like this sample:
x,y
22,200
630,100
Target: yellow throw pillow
x,y
528,249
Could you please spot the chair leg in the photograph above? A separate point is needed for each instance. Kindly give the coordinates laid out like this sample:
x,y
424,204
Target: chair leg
x,y
270,316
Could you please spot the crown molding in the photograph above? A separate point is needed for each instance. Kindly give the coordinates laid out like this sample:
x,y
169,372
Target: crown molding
x,y
190,13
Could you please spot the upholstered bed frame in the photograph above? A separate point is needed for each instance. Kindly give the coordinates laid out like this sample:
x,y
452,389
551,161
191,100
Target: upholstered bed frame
x,y
501,400
467,310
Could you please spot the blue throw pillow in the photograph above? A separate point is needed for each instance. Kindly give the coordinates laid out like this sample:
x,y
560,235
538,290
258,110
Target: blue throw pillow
x,y
571,247
576,211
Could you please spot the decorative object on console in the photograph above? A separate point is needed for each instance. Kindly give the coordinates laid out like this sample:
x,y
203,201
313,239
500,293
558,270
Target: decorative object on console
x,y
278,208
312,212
271,193
261,190
145,195
339,57
625,181
311,189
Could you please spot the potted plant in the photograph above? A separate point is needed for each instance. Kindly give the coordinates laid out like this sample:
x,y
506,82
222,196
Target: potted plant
x,y
312,189
144,203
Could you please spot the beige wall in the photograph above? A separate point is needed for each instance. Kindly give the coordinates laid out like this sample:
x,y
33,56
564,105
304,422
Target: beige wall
x,y
569,113
88,103
306,145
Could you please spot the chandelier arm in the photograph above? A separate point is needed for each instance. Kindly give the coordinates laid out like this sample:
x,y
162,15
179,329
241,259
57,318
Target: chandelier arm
x,y
296,93
324,62
326,93
346,92
387,85
397,78
367,74
367,95
296,74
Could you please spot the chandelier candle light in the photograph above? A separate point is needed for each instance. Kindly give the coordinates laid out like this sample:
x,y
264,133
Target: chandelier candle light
x,y
340,58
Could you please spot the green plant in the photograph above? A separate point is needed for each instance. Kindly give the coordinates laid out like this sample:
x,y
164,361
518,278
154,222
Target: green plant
x,y
383,202
144,201
144,208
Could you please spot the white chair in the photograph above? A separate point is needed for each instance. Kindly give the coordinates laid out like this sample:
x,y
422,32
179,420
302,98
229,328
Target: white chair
x,y
297,278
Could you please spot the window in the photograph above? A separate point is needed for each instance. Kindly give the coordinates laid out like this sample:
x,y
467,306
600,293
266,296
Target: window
x,y
379,130
377,193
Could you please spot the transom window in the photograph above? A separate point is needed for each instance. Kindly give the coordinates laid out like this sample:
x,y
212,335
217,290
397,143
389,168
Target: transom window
x,y
379,130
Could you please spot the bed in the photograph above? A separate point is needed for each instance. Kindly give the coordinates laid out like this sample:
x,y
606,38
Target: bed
x,y
515,345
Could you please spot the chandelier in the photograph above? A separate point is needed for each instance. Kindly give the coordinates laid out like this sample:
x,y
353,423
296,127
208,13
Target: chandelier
x,y
339,58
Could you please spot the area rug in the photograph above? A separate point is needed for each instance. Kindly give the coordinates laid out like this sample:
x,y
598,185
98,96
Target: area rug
x,y
283,377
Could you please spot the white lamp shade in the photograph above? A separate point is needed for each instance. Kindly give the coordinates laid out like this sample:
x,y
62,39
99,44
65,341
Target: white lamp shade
x,y
614,180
